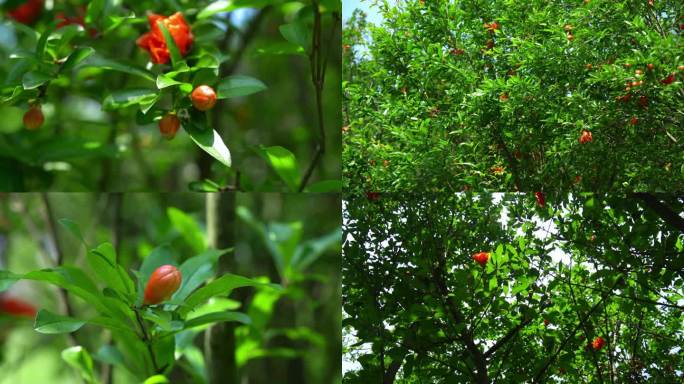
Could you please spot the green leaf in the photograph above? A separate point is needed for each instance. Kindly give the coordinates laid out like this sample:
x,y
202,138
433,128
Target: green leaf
x,y
80,359
35,79
283,162
111,355
311,250
156,379
176,58
100,62
216,317
188,228
75,281
164,81
209,140
221,286
52,323
76,57
297,33
129,97
94,10
73,228
103,262
196,271
239,85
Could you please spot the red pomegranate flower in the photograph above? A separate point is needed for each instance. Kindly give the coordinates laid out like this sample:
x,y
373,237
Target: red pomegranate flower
x,y
598,343
634,120
163,282
154,42
373,196
585,137
28,12
16,307
669,79
491,27
498,170
481,258
540,198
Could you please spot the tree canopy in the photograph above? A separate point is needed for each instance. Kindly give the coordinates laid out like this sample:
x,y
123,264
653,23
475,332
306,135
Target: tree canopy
x,y
586,290
515,95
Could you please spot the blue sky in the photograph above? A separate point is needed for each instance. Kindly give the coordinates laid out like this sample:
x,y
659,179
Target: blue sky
x,y
348,6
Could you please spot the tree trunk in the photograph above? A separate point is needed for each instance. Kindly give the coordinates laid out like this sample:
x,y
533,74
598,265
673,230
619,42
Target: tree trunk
x,y
219,339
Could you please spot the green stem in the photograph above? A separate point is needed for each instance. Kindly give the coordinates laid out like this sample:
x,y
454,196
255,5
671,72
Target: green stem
x,y
146,338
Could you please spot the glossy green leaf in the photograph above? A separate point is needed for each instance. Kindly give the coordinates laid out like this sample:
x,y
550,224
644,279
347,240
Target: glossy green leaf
x,y
283,163
79,358
239,85
209,140
51,323
76,57
216,317
188,228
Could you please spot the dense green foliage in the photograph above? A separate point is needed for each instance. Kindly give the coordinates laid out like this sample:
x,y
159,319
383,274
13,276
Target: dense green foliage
x,y
438,98
281,292
102,97
418,308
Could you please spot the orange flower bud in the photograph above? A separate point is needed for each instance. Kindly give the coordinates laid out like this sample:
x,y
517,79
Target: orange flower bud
x,y
163,282
33,118
169,125
203,97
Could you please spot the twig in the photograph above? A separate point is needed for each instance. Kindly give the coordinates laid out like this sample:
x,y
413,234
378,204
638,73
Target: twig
x,y
146,339
319,63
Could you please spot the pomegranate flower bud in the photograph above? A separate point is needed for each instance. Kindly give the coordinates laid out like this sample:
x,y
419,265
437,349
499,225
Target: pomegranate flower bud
x,y
203,97
33,118
540,198
169,125
481,258
163,282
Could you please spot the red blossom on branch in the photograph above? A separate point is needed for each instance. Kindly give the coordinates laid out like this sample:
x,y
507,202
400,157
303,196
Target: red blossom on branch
x,y
154,42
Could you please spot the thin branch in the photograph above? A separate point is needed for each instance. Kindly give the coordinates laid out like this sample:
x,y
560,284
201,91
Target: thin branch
x,y
571,335
318,66
146,339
